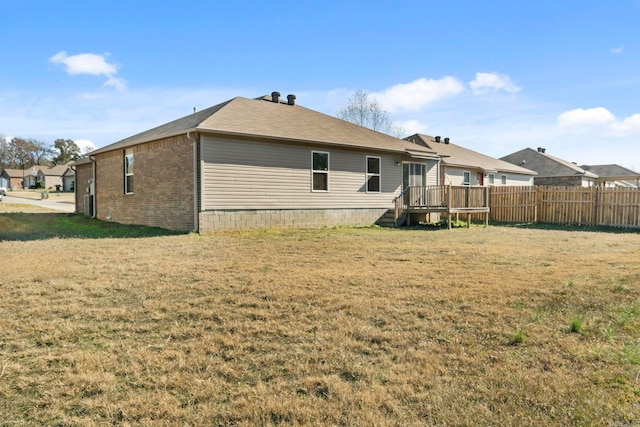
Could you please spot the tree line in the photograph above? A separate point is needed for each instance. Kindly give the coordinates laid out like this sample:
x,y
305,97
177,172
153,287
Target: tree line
x,y
23,153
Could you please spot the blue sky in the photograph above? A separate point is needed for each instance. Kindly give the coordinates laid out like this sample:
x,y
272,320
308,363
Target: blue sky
x,y
494,76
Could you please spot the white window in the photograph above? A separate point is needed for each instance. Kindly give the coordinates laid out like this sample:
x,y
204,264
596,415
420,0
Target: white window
x,y
373,174
503,179
319,171
491,179
128,171
466,178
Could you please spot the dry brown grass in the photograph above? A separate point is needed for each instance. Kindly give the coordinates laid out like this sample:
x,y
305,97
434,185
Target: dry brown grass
x,y
323,327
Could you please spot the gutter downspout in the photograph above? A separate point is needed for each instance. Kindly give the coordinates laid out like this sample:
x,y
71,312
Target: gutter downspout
x,y
196,175
92,187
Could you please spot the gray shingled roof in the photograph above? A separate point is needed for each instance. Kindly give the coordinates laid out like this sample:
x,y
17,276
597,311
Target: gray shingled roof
x,y
545,164
456,155
278,121
614,172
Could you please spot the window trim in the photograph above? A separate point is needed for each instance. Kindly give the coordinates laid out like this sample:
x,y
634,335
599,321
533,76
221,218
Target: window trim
x,y
491,179
127,173
503,179
319,171
369,175
468,175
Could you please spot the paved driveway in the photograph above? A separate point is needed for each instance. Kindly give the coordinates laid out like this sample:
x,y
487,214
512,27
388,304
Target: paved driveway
x,y
50,203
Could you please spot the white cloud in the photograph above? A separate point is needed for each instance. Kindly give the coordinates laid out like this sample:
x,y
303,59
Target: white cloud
x,y
488,83
85,145
629,126
90,63
617,50
417,94
586,117
412,126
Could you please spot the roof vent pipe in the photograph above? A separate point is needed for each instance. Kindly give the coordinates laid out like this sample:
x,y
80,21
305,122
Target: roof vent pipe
x,y
446,140
437,138
275,97
291,99
541,150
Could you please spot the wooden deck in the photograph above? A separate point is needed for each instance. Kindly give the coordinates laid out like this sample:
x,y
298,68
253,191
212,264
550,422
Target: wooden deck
x,y
449,199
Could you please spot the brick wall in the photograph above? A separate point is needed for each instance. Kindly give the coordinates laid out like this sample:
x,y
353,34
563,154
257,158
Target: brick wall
x,y
243,219
563,181
162,182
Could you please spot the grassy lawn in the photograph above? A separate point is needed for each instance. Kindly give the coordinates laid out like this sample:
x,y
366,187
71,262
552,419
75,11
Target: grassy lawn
x,y
486,326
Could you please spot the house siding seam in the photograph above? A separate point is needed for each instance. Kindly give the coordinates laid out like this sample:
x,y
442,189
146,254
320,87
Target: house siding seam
x,y
163,190
217,220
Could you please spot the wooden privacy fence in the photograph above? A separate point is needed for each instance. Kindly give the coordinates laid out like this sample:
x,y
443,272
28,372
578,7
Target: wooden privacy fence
x,y
592,206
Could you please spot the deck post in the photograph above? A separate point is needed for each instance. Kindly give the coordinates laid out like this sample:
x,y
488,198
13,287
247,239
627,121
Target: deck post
x,y
449,205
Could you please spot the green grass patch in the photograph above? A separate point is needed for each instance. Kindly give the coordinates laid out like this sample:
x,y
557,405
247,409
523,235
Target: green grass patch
x,y
39,226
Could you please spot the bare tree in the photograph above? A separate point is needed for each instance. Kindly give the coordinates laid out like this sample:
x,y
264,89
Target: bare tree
x,y
366,111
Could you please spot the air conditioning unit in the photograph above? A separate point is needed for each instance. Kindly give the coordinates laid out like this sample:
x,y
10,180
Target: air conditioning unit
x,y
88,205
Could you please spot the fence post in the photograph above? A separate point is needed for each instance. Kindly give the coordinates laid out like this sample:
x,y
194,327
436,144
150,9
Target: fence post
x,y
487,205
596,207
449,205
536,203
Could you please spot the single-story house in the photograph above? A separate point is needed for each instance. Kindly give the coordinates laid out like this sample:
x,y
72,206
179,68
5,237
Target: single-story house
x,y
614,175
31,177
552,170
246,163
462,166
51,177
11,179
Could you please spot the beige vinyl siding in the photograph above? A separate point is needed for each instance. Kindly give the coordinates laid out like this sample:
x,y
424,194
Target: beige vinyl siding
x,y
454,176
516,179
259,175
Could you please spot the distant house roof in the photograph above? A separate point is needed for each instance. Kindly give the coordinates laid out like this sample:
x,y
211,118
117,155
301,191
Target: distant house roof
x,y
545,164
612,172
263,118
16,173
57,170
456,155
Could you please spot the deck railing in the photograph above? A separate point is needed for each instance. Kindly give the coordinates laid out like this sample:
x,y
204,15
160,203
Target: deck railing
x,y
443,198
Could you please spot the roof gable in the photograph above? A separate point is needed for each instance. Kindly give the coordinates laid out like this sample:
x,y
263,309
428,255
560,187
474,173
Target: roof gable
x,y
545,164
612,171
456,155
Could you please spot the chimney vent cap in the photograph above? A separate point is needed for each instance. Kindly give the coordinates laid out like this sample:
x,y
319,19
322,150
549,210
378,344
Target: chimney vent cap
x,y
291,99
275,96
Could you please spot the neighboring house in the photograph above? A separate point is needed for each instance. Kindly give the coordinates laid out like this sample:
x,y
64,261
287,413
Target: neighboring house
x,y
51,177
614,175
6,179
69,179
249,163
461,166
552,170
13,178
31,177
